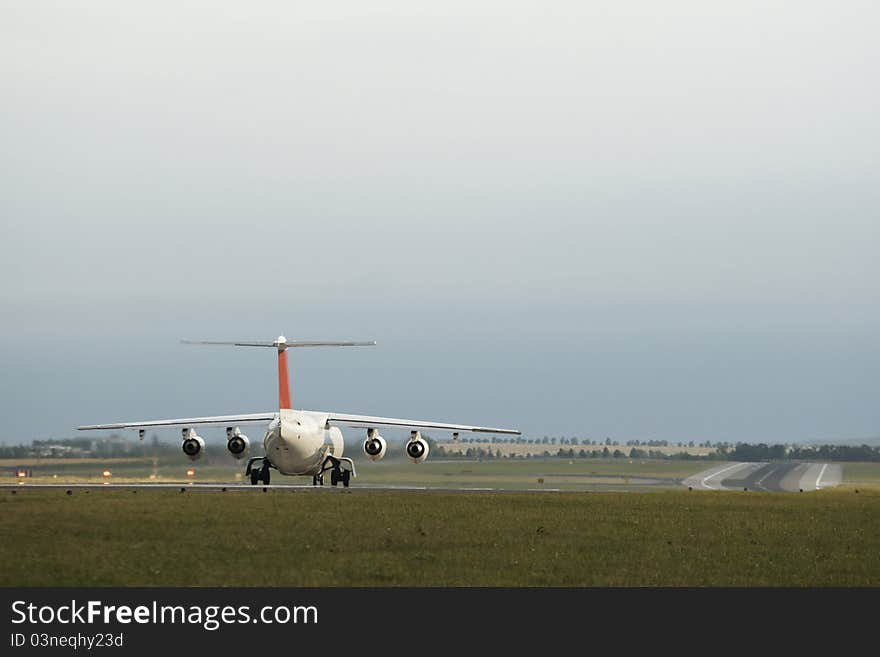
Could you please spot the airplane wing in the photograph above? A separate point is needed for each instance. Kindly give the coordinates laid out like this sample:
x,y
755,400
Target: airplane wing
x,y
215,420
371,421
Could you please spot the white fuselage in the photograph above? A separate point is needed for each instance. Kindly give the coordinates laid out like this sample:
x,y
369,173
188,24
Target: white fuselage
x,y
297,442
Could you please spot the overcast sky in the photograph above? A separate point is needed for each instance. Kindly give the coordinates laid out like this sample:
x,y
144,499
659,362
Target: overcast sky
x,y
620,218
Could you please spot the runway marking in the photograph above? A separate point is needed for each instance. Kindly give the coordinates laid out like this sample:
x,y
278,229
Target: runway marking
x,y
760,482
821,472
715,474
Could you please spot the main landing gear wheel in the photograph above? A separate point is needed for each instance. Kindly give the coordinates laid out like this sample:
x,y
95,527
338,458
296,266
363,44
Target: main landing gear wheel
x,y
317,480
258,474
341,470
343,475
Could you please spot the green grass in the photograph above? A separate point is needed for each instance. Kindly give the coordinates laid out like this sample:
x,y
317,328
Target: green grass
x,y
864,474
377,538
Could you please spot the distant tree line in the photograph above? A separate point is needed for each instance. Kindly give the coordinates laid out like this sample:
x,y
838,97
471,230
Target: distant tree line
x,y
574,440
113,446
762,452
570,453
740,452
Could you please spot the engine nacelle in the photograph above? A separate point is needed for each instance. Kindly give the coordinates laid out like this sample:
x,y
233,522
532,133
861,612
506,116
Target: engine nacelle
x,y
417,448
193,445
238,445
236,442
374,445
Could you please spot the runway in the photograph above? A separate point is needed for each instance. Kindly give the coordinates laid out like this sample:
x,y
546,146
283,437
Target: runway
x,y
244,488
789,477
753,476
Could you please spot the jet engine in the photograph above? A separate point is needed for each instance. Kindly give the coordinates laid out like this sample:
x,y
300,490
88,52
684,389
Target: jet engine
x,y
193,445
417,448
374,445
236,442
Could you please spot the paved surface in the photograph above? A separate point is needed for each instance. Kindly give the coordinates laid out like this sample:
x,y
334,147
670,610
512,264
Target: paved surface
x,y
785,476
238,487
782,476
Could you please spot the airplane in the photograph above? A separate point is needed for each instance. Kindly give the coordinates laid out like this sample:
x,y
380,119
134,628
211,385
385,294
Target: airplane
x,y
298,442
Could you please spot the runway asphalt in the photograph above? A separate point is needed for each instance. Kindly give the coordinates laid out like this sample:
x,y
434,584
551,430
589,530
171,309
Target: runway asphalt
x,y
238,487
760,476
789,477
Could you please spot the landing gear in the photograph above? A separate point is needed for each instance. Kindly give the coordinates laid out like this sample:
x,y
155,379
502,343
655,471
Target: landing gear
x,y
344,476
258,470
318,480
341,470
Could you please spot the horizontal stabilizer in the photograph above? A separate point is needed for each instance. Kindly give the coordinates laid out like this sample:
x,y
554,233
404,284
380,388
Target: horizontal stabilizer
x,y
283,343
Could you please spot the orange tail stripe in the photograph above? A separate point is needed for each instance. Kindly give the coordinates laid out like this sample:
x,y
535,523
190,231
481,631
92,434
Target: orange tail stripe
x,y
283,381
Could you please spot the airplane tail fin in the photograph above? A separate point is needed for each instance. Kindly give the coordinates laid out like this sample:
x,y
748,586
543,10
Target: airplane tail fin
x,y
282,344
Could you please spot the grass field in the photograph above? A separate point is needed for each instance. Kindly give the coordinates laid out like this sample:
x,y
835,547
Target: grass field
x,y
861,474
380,538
